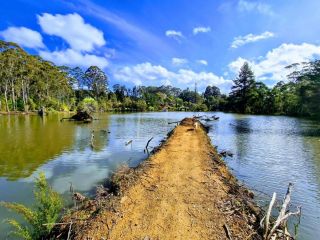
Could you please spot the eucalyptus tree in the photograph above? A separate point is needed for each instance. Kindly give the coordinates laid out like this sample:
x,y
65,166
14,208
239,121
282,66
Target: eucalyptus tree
x,y
97,81
27,79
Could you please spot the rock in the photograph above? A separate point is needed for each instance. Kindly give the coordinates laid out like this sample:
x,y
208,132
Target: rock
x,y
123,199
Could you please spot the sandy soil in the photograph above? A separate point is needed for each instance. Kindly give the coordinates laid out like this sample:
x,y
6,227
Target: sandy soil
x,y
185,193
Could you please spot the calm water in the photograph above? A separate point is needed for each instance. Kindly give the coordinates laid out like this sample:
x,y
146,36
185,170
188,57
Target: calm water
x,y
269,152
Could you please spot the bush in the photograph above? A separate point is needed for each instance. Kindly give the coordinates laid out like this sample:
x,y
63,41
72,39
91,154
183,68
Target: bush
x,y
104,105
141,105
47,209
53,104
88,104
32,104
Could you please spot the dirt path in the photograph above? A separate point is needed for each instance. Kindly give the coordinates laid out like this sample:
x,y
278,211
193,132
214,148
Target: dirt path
x,y
183,195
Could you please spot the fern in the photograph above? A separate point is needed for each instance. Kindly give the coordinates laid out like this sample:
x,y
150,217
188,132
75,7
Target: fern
x,y
42,217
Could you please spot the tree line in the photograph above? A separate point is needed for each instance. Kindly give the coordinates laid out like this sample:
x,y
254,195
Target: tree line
x,y
300,96
28,82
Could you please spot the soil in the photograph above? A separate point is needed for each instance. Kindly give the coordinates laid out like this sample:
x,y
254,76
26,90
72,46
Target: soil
x,y
183,191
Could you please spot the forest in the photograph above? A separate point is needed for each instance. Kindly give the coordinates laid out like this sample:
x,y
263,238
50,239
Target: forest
x,y
28,83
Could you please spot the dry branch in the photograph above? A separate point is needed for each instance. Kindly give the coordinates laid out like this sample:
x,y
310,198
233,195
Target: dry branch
x,y
146,148
279,227
226,228
267,218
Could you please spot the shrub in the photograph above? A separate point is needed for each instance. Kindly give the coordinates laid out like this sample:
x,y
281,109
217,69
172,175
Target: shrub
x,y
32,104
42,216
141,105
53,104
88,104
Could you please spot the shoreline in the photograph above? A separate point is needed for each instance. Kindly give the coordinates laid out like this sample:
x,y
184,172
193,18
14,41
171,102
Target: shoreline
x,y
191,194
34,113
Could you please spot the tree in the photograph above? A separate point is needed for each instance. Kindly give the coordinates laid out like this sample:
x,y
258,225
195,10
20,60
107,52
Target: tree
x,y
120,91
259,99
79,77
212,91
243,84
307,87
29,81
97,81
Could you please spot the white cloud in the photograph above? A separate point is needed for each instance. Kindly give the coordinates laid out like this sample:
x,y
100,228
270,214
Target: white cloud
x,y
250,6
242,40
197,30
79,35
23,36
272,65
179,61
148,74
71,57
174,34
202,61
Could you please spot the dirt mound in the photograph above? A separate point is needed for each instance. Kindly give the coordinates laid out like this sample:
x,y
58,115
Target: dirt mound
x,y
188,122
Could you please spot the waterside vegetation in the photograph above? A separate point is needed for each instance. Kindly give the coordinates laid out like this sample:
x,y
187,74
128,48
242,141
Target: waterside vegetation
x,y
41,218
29,83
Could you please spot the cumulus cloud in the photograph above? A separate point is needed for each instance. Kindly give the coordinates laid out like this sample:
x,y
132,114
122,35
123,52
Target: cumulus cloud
x,y
71,57
202,61
197,30
148,74
25,37
242,40
250,6
174,34
272,65
72,28
179,61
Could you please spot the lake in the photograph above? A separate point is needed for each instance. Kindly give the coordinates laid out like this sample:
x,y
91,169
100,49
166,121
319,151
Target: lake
x,y
269,152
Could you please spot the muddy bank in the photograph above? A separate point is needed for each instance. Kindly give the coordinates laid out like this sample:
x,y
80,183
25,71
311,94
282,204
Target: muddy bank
x,y
183,191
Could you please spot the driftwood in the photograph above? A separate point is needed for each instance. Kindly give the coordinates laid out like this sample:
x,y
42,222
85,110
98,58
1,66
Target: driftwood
x,y
227,230
80,116
267,217
148,142
42,112
174,122
207,119
92,140
278,229
146,147
69,232
226,153
78,197
198,117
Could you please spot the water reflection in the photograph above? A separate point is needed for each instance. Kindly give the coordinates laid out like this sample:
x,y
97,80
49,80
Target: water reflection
x,y
27,142
271,152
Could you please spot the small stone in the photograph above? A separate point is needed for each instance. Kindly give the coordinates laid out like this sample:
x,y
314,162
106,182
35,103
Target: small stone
x,y
123,199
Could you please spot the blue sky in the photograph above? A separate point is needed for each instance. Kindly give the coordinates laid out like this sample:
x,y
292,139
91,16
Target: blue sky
x,y
173,42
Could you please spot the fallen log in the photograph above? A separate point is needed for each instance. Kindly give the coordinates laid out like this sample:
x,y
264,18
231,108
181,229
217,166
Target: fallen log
x,y
279,228
80,116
